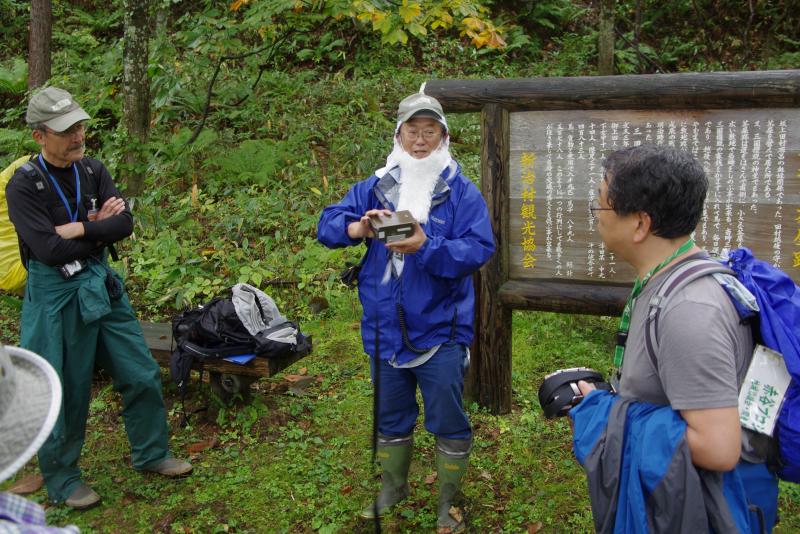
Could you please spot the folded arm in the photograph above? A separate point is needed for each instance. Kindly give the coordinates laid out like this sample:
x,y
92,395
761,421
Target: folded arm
x,y
35,228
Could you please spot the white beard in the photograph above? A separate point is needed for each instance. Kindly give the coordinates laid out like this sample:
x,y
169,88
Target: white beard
x,y
418,178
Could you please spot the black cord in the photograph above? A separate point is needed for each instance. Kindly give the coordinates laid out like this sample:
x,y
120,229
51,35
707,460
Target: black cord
x,y
375,415
182,386
401,318
762,529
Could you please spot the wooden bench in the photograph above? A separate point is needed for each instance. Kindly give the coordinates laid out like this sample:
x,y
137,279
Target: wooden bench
x,y
227,379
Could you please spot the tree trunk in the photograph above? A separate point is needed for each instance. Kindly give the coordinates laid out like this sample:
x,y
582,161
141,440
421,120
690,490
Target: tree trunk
x,y
136,90
605,40
39,38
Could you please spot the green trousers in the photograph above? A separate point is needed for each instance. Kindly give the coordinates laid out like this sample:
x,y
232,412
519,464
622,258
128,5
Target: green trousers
x,y
73,324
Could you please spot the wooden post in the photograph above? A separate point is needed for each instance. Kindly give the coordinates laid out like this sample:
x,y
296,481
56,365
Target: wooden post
x,y
605,39
489,380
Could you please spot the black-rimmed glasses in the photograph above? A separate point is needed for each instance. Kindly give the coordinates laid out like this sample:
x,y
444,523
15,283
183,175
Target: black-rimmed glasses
x,y
594,206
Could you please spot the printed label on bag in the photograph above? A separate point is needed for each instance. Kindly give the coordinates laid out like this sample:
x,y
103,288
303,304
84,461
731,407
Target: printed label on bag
x,y
762,393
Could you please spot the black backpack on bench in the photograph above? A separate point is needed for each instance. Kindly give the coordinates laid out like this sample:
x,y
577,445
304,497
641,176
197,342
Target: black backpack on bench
x,y
247,322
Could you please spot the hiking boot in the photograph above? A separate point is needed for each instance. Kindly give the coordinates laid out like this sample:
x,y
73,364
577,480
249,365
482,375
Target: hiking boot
x,y
82,498
170,467
452,458
394,455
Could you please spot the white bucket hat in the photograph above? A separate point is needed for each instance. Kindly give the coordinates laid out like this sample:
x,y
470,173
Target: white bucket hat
x,y
30,400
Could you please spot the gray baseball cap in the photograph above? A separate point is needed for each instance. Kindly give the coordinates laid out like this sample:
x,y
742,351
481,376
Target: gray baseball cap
x,y
55,108
420,105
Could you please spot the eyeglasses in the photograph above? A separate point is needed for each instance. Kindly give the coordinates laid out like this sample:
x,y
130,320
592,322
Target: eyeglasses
x,y
77,128
427,135
594,206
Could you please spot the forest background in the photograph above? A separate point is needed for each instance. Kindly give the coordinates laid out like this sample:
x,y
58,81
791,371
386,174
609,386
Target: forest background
x,y
252,116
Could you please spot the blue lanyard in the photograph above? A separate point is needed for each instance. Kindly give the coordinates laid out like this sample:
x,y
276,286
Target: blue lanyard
x,y
72,216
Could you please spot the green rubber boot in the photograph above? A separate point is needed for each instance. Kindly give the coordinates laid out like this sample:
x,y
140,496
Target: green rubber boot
x,y
394,455
452,458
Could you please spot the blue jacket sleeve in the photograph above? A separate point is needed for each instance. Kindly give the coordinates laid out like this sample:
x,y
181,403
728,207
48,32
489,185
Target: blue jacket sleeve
x,y
471,243
332,225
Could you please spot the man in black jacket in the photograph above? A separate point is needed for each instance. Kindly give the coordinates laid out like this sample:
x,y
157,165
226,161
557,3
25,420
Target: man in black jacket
x,y
67,212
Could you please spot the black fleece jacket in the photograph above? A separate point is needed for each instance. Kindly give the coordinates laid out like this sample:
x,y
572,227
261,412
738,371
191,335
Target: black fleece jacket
x,y
35,208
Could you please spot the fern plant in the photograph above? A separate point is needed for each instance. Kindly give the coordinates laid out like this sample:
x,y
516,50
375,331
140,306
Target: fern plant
x,y
15,143
14,79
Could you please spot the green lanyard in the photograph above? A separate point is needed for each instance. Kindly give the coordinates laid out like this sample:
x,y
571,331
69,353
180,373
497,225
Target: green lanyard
x,y
638,285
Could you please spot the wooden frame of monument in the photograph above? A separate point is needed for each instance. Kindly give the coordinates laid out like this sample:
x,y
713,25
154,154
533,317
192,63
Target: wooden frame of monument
x,y
497,293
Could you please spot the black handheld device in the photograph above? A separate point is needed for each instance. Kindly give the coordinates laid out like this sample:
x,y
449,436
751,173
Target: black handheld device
x,y
559,392
393,227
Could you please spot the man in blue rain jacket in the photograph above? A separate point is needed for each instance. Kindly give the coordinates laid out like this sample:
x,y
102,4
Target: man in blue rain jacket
x,y
417,297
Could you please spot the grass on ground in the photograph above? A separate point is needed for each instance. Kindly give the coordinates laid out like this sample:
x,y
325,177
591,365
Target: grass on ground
x,y
297,458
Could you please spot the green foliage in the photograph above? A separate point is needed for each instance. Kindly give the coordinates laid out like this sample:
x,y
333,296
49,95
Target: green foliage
x,y
237,424
14,144
573,54
327,49
188,251
14,79
787,60
297,463
10,308
394,22
302,107
550,15
13,87
258,161
13,30
708,34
